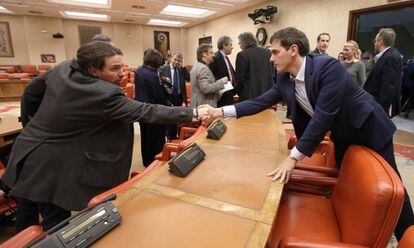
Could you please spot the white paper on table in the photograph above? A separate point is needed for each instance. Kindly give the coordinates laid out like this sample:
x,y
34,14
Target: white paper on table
x,y
228,86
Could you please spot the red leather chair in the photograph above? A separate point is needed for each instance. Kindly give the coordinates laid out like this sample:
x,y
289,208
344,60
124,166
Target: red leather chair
x,y
19,76
29,69
129,90
188,89
4,75
362,211
44,67
172,148
23,238
407,240
126,185
7,206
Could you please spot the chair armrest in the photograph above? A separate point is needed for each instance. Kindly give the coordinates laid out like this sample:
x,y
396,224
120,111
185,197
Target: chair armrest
x,y
313,180
292,142
167,150
23,238
187,130
326,170
294,242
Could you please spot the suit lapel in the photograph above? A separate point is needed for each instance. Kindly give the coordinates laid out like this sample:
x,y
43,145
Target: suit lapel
x,y
308,81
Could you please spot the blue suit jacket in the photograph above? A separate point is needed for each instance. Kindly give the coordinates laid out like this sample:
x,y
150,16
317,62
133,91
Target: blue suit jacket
x,y
339,105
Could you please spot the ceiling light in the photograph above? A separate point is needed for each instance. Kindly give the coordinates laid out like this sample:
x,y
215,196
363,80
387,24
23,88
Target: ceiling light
x,y
83,15
165,23
177,10
4,10
91,3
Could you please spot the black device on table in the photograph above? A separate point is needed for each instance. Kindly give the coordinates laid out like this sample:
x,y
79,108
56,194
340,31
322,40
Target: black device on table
x,y
216,130
186,160
83,228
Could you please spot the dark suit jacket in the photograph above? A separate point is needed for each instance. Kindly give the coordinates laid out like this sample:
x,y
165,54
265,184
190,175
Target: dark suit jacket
x,y
384,81
219,69
77,145
339,104
254,72
183,75
148,88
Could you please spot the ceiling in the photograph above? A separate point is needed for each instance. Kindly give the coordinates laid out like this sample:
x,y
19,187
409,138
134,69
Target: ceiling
x,y
123,12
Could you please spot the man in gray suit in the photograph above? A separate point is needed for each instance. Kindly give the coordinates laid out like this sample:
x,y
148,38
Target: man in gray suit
x,y
76,142
204,87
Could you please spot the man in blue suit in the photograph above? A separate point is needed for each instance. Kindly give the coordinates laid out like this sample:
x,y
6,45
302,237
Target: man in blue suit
x,y
322,97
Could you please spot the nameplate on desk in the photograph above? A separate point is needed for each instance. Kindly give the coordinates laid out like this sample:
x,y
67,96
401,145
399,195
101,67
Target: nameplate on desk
x,y
216,130
186,160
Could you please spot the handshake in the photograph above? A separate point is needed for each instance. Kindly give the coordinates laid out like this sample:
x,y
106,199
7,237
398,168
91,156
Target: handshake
x,y
207,114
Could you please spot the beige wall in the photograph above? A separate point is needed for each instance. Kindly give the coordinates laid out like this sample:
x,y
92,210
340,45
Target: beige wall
x,y
29,42
310,16
18,38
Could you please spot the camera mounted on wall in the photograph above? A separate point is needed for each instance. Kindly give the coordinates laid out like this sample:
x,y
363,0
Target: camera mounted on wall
x,y
263,15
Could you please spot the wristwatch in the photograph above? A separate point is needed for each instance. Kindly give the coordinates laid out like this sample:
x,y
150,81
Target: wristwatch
x,y
292,157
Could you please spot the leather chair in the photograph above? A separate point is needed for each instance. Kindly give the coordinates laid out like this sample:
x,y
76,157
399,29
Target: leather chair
x,y
407,241
23,238
4,75
44,67
188,90
128,184
362,210
7,206
174,147
29,69
19,76
129,90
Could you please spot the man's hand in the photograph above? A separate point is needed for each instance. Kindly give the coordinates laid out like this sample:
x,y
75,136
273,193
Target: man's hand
x,y
203,113
284,171
225,80
216,113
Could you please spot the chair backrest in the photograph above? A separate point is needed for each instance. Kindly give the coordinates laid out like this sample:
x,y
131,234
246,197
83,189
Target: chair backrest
x,y
44,67
407,240
367,198
19,75
188,90
4,75
30,69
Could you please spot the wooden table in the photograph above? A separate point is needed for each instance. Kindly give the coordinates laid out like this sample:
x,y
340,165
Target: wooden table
x,y
10,127
12,89
226,201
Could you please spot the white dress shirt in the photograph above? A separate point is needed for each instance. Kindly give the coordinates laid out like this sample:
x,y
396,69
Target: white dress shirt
x,y
228,66
380,54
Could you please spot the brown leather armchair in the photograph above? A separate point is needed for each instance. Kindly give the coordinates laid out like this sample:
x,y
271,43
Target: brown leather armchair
x,y
362,210
407,240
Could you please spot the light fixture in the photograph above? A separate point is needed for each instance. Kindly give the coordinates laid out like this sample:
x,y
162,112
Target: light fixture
x,y
160,22
87,3
4,10
177,10
84,15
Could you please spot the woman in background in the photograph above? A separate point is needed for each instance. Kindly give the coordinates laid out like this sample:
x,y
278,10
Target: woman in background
x,y
352,63
149,90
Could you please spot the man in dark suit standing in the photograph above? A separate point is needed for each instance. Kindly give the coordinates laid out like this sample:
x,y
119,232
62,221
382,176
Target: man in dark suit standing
x,y
254,72
384,81
75,144
222,67
176,74
322,44
322,97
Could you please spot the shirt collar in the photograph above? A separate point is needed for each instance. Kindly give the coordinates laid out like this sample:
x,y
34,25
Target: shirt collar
x,y
301,73
223,53
381,53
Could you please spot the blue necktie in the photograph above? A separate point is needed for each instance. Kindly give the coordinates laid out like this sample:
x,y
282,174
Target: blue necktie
x,y
176,84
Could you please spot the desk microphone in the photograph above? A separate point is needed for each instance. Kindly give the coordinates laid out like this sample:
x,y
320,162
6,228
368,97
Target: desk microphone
x,y
63,223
